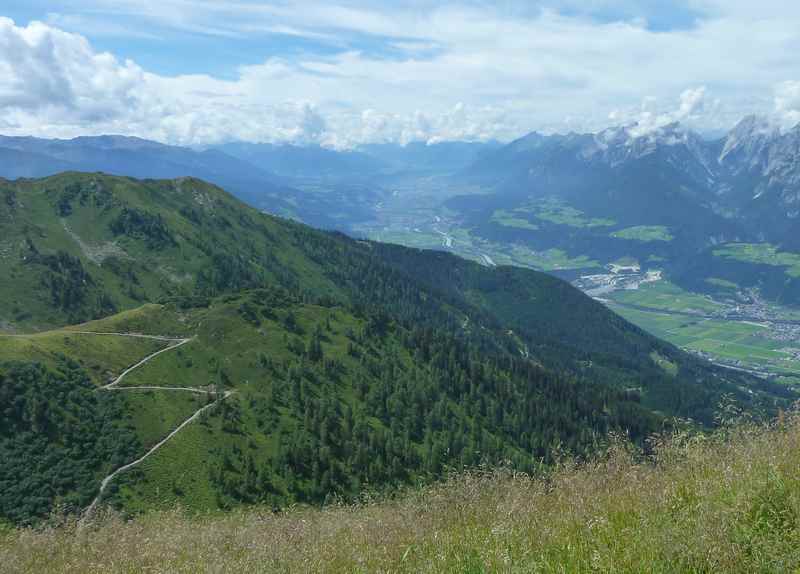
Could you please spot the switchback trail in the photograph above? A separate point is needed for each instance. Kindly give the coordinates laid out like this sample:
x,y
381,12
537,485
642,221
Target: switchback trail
x,y
107,480
118,380
113,386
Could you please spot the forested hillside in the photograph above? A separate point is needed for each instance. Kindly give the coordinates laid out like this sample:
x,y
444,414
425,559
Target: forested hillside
x,y
56,437
322,366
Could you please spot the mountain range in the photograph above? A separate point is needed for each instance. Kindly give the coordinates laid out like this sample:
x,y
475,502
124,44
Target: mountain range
x,y
694,194
282,179
741,189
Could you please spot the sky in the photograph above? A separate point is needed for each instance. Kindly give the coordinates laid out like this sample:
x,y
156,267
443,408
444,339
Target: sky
x,y
346,72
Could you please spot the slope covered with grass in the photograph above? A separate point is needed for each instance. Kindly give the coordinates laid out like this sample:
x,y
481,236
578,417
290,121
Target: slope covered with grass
x,y
102,357
729,502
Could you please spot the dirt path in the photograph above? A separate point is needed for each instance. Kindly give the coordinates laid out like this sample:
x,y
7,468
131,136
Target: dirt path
x,y
154,388
107,480
135,335
113,386
117,381
68,332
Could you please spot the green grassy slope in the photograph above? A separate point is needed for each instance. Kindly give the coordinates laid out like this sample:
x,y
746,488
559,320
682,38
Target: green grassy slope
x,y
79,246
728,503
101,357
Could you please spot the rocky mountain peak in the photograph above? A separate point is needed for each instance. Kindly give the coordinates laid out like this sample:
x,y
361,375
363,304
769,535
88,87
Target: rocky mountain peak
x,y
746,146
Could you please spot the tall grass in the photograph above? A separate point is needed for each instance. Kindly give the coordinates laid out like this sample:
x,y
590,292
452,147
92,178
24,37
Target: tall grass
x,y
729,502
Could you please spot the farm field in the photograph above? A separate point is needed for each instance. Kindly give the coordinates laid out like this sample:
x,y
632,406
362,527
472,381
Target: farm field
x,y
511,219
667,312
461,242
644,233
555,211
666,296
762,253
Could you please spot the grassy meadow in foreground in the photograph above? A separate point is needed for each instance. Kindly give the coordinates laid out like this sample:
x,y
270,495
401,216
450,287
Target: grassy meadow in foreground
x,y
723,503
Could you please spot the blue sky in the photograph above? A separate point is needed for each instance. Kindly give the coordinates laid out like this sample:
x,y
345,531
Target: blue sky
x,y
171,45
347,72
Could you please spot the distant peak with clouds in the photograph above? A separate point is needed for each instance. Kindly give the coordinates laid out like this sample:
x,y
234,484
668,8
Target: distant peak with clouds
x,y
353,72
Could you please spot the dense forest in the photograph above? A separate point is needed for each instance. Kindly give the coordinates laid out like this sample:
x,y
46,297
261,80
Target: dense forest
x,y
56,436
347,402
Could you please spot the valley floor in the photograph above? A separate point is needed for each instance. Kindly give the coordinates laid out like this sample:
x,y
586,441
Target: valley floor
x,y
736,329
723,503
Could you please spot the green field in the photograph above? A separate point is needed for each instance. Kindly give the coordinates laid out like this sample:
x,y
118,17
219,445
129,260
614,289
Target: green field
x,y
418,239
510,219
761,253
516,254
156,413
680,317
555,211
473,247
745,345
644,233
723,284
549,260
666,296
668,366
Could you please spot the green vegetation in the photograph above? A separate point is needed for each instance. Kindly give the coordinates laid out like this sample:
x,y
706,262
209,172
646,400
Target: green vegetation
x,y
549,260
763,254
721,503
56,436
737,343
722,284
414,239
644,233
555,211
510,219
100,356
154,414
666,296
354,366
626,262
327,402
85,246
669,367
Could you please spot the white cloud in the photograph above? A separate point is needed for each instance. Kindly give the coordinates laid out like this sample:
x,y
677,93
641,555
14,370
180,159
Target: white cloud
x,y
47,73
468,71
787,103
692,109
